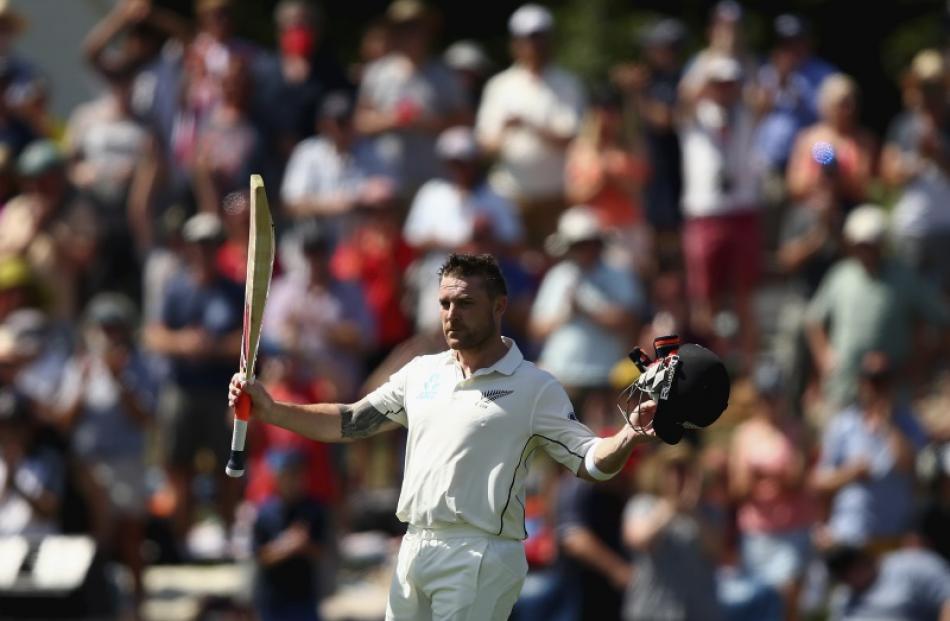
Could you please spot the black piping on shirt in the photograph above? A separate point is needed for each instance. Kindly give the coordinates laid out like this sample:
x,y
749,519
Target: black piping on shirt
x,y
521,457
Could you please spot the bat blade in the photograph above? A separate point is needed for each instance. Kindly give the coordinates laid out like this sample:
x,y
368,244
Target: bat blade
x,y
260,267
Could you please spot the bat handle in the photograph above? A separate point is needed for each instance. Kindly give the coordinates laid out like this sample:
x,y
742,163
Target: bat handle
x,y
237,463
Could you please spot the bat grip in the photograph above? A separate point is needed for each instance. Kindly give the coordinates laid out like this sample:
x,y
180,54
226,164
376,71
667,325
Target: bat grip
x,y
237,462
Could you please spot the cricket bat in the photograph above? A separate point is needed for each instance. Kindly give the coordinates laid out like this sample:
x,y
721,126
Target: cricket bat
x,y
260,265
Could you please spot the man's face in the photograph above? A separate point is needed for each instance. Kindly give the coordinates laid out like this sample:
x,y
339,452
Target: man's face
x,y
470,317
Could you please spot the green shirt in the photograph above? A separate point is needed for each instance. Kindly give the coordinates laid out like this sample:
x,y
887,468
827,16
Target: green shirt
x,y
864,312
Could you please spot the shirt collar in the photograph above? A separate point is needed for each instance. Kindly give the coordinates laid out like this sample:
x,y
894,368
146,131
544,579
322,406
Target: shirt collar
x,y
506,365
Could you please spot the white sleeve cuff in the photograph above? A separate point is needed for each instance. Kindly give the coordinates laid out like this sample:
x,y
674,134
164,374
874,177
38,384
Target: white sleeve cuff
x,y
591,467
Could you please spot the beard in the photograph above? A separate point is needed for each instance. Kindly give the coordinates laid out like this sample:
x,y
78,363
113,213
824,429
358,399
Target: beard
x,y
471,337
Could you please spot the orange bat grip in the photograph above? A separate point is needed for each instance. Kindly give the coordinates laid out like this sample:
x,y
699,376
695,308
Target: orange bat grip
x,y
242,408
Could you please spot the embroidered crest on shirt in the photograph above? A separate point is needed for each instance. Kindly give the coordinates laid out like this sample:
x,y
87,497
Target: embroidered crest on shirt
x,y
492,395
430,388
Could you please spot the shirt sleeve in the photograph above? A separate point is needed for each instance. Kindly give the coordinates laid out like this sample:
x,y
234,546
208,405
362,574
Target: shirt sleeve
x,y
295,186
932,582
832,449
490,119
418,222
552,303
390,398
819,309
562,436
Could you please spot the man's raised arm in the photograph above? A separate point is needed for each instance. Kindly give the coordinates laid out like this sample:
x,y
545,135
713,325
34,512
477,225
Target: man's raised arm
x,y
326,422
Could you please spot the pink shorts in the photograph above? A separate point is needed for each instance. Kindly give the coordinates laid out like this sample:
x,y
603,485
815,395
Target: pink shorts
x,y
723,254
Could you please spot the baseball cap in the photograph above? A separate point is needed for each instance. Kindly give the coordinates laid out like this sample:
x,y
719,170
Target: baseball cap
x,y
405,11
723,69
530,19
577,224
727,11
789,27
457,144
337,106
111,309
928,66
203,227
38,157
466,55
202,6
666,32
866,224
689,384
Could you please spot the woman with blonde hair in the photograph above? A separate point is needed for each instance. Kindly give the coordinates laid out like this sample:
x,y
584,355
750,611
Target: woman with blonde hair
x,y
835,154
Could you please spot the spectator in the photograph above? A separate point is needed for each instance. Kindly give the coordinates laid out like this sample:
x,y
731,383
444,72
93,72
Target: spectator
x,y
916,160
106,142
472,67
767,467
407,97
651,88
199,332
853,150
586,312
213,53
867,462
55,233
446,213
606,170
936,509
529,114
726,38
787,88
303,71
106,401
32,477
288,534
288,375
867,302
674,570
375,43
592,558
30,102
311,313
809,245
375,255
329,174
230,147
12,25
722,238
906,585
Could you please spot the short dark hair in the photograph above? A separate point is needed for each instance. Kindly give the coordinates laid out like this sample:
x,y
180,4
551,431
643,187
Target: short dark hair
x,y
483,265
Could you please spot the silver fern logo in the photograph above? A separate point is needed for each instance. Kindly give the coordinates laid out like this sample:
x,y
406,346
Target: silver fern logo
x,y
489,396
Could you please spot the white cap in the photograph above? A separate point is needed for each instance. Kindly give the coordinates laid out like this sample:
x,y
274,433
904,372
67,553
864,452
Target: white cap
x,y
866,224
530,19
723,69
577,224
457,143
466,56
203,227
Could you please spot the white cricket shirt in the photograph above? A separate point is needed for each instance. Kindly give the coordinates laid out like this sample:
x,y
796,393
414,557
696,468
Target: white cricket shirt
x,y
470,440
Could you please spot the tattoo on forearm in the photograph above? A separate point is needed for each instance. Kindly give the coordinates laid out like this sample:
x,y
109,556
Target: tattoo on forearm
x,y
360,420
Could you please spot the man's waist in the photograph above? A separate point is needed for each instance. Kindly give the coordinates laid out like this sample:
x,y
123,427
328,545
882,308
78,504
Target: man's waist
x,y
450,531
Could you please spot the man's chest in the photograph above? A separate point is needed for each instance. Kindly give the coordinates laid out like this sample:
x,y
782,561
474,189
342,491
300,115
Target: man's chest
x,y
446,408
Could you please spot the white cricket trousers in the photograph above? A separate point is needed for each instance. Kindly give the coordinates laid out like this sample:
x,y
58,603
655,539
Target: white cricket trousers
x,y
458,573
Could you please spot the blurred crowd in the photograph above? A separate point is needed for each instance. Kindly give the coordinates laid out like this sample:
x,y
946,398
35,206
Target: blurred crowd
x,y
703,188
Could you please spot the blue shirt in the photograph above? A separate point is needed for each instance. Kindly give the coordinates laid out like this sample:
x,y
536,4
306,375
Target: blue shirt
x,y
795,106
217,307
911,585
882,505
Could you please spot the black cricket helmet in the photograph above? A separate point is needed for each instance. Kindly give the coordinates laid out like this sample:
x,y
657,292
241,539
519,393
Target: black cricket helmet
x,y
688,382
